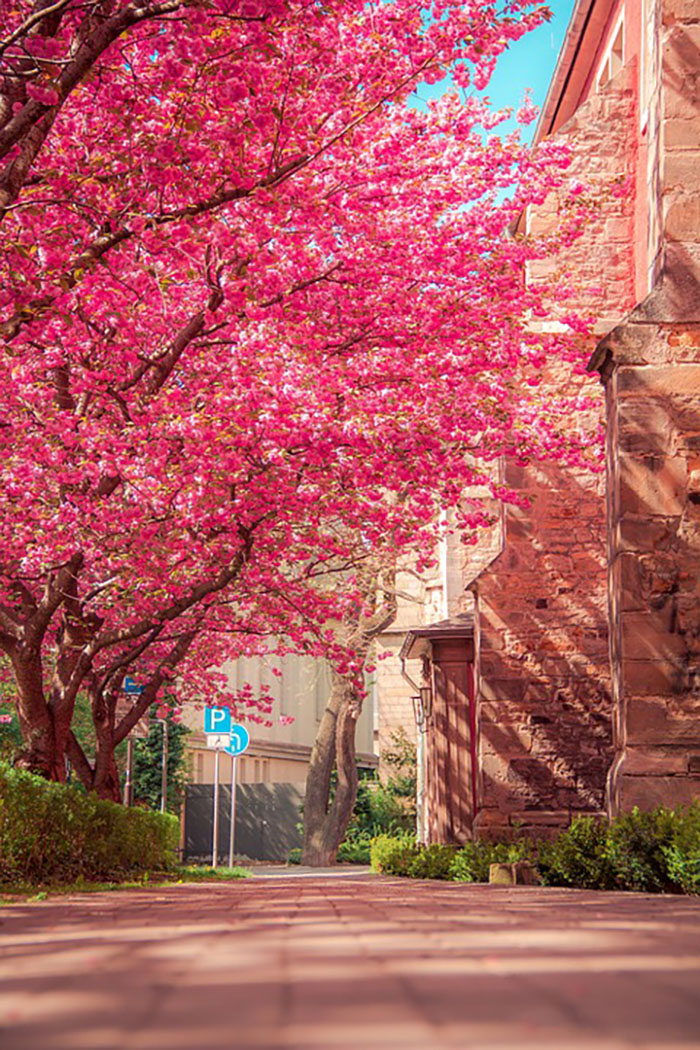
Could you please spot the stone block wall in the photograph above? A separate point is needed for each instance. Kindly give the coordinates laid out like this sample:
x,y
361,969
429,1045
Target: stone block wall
x,y
544,708
602,139
543,673
652,372
571,716
650,365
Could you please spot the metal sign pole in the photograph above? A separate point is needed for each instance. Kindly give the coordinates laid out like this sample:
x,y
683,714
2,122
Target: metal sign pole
x,y
215,828
234,739
164,775
232,829
129,785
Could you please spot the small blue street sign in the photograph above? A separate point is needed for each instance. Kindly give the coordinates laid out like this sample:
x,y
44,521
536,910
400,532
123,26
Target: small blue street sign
x,y
217,720
130,686
240,738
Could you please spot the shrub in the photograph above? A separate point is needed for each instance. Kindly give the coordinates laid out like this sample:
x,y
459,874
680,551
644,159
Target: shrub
x,y
382,808
391,854
354,849
578,857
56,833
649,852
635,849
432,862
401,855
401,785
472,861
682,853
633,852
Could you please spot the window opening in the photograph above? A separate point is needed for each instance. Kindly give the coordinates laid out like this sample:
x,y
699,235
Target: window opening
x,y
614,59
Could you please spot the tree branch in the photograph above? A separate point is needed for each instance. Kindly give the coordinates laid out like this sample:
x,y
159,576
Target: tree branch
x,y
171,661
35,119
55,592
28,24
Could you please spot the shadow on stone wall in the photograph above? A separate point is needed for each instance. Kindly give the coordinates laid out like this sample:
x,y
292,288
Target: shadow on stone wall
x,y
545,709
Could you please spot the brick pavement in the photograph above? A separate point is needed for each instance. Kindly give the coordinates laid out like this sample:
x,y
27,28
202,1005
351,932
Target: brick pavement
x,y
353,963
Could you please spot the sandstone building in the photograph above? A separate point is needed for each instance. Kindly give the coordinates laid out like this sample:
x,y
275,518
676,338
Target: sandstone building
x,y
556,670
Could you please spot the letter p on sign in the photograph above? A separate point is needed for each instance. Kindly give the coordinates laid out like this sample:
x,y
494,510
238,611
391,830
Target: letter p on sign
x,y
217,720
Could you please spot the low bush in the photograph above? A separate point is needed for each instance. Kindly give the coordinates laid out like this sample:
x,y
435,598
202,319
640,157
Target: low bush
x,y
645,851
383,808
432,862
57,833
355,847
635,849
403,856
472,861
649,852
682,853
578,857
392,854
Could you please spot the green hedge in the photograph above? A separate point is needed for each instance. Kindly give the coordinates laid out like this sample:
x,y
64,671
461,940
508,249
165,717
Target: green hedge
x,y
402,856
55,833
652,852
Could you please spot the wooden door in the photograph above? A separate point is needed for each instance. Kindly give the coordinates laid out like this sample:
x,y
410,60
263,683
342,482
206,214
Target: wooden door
x,y
452,744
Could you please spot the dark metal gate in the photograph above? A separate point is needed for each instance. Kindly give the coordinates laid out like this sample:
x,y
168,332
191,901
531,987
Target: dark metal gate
x,y
267,816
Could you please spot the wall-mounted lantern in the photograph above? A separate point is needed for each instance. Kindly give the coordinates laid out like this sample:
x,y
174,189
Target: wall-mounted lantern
x,y
423,707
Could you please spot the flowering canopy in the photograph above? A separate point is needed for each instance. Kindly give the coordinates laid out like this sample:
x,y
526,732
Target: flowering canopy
x,y
260,314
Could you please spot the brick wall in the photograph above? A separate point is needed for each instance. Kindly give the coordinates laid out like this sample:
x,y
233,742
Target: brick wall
x,y
543,673
653,379
603,140
651,368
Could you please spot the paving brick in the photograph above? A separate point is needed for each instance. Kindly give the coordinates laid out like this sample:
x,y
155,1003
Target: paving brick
x,y
333,963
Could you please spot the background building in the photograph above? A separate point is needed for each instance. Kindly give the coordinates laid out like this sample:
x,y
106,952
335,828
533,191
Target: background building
x,y
272,773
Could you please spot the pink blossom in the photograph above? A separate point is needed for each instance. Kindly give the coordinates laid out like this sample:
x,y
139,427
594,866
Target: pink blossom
x,y
259,307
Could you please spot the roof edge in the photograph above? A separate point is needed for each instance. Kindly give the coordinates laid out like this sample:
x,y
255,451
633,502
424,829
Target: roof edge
x,y
562,70
460,626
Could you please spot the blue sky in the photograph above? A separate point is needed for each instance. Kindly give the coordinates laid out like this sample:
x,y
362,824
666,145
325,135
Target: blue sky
x,y
529,63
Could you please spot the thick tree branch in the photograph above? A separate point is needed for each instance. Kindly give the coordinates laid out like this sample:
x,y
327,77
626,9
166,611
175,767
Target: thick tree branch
x,y
161,369
156,680
35,120
55,592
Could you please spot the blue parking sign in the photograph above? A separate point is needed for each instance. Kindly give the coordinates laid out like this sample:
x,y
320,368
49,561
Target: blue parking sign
x,y
239,740
217,720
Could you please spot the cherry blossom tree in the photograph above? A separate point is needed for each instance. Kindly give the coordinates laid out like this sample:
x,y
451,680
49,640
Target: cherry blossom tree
x,y
258,312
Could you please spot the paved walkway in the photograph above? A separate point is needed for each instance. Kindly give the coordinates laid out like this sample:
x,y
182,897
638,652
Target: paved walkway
x,y
353,963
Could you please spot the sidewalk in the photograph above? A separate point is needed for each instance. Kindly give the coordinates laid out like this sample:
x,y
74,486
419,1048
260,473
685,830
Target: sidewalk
x,y
351,963
287,871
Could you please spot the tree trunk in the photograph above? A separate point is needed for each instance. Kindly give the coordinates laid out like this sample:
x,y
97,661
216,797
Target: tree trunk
x,y
105,781
41,753
325,823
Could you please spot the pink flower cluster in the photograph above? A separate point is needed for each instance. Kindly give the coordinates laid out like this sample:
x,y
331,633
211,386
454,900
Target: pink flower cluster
x,y
262,318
